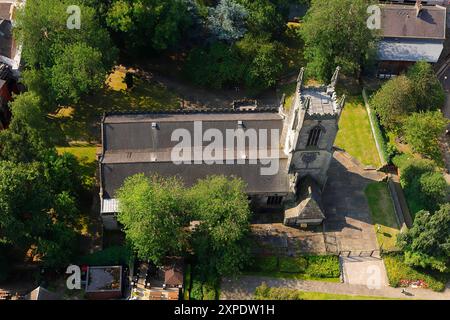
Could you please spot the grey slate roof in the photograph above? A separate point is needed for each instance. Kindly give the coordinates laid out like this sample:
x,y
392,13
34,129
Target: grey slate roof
x,y
410,50
141,143
400,21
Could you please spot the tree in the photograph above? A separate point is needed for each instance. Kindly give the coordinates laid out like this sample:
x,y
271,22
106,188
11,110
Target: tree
x,y
427,243
216,66
263,62
422,131
335,33
27,137
221,204
428,91
149,24
393,102
77,72
41,27
34,214
152,211
227,21
263,17
424,186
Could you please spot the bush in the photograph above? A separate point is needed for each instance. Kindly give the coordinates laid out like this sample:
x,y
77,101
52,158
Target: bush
x,y
266,264
263,292
187,282
209,291
425,187
196,290
323,266
400,274
116,255
293,265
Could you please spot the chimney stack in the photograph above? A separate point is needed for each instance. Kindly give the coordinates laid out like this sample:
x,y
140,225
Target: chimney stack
x,y
419,7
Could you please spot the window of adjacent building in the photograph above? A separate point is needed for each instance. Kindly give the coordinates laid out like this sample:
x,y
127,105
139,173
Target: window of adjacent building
x,y
314,135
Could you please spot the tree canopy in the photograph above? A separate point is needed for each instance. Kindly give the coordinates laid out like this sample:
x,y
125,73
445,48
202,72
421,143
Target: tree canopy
x,y
152,211
394,102
427,243
422,131
336,34
49,45
220,203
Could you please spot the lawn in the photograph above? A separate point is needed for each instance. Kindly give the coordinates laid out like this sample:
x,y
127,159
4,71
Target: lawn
x,y
383,214
86,155
80,122
319,268
355,134
402,275
289,90
263,292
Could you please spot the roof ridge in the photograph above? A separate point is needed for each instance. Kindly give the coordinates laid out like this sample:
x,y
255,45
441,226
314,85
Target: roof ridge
x,y
193,111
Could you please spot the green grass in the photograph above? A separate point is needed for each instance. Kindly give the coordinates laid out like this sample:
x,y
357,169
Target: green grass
x,y
85,153
263,292
355,134
318,268
289,91
383,214
80,122
398,273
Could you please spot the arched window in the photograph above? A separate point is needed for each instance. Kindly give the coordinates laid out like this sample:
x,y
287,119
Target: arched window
x,y
314,135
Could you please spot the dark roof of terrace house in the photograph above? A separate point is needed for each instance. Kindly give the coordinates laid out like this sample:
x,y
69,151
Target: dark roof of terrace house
x,y
141,143
7,47
401,21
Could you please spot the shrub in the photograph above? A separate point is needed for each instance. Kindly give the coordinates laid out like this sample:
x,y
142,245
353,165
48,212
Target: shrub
x,y
209,291
400,274
116,255
266,264
293,265
187,282
323,266
196,290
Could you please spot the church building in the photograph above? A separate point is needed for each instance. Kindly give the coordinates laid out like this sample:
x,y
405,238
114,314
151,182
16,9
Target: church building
x,y
281,153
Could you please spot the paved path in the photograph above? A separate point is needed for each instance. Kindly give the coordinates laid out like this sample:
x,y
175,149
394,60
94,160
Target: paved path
x,y
348,224
364,271
244,287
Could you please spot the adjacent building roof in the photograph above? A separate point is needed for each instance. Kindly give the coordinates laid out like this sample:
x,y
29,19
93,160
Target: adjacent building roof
x,y
41,293
6,10
174,272
7,46
402,21
410,50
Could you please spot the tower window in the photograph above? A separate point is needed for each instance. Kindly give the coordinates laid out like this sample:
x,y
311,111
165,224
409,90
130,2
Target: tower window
x,y
314,135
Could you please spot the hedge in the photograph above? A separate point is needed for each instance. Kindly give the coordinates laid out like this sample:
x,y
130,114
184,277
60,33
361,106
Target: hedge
x,y
323,266
265,264
326,266
293,265
116,255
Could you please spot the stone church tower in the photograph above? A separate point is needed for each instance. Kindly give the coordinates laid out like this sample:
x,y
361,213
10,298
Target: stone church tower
x,y
310,130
